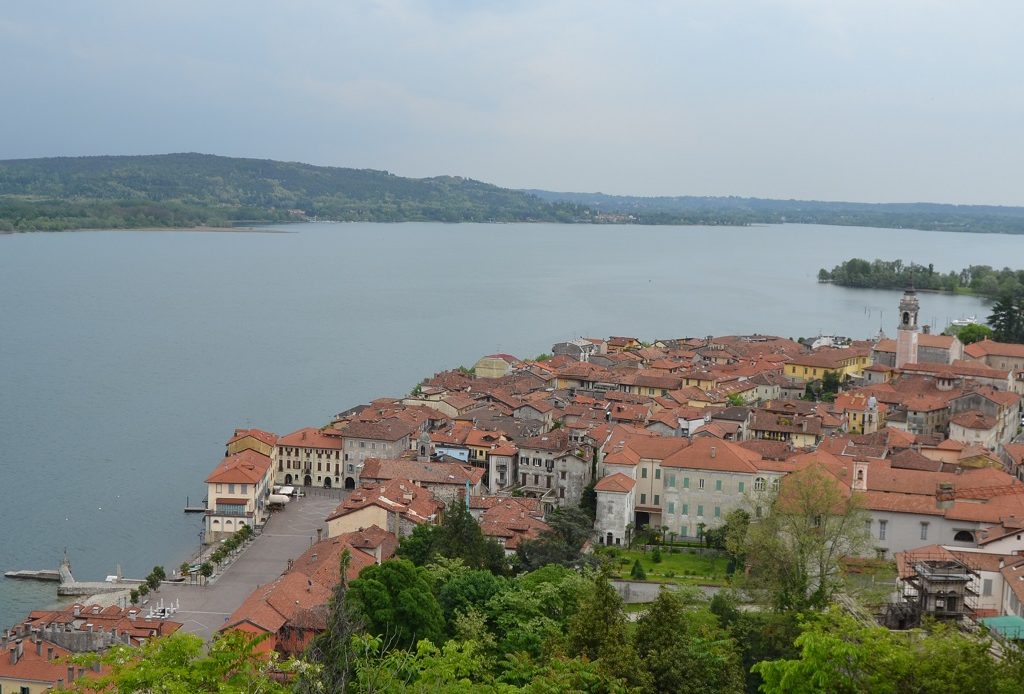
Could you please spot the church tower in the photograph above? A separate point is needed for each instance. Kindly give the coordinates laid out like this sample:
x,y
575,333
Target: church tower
x,y
906,331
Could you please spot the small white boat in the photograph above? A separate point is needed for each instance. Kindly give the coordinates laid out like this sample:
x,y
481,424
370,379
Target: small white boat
x,y
969,320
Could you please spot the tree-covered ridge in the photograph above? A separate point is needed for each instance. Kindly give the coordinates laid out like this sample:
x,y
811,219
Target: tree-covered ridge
x,y
737,211
894,274
180,190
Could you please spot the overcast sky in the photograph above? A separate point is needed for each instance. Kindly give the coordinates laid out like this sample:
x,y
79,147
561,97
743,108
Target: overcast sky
x,y
861,100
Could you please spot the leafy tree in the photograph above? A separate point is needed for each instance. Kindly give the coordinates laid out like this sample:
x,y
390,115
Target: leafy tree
x,y
177,664
459,536
794,555
153,582
455,667
184,568
133,595
469,589
974,332
683,649
159,572
531,615
637,571
562,544
598,631
206,570
838,654
395,600
143,590
736,400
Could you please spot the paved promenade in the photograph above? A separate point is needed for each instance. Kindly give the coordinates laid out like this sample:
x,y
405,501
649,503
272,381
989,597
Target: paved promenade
x,y
286,535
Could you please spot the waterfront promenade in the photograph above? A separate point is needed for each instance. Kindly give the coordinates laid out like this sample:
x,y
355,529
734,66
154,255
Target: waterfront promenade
x,y
288,533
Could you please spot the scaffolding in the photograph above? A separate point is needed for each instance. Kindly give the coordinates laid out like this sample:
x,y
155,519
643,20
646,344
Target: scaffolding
x,y
939,586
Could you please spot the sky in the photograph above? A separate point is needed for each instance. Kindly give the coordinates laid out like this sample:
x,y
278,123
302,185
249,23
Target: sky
x,y
900,100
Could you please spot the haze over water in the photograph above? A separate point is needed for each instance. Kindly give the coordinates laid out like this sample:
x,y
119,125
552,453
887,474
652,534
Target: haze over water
x,y
127,358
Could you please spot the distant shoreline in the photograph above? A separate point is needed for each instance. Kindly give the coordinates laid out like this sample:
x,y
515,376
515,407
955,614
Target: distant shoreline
x,y
227,230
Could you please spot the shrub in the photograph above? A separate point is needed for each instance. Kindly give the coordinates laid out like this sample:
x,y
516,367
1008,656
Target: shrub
x,y
637,571
656,556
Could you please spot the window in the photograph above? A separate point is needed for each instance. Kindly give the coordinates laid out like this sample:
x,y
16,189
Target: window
x,y
700,509
670,480
759,484
536,480
218,488
686,483
775,484
643,498
671,507
964,536
700,483
867,527
643,472
686,509
924,531
362,444
718,485
562,473
657,473
657,499
986,587
231,487
740,487
881,529
718,511
561,492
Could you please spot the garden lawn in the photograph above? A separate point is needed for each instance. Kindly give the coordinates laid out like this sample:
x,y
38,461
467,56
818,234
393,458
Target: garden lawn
x,y
682,568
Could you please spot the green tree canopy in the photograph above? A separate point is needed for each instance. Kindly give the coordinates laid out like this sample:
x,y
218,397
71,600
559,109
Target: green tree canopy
x,y
395,600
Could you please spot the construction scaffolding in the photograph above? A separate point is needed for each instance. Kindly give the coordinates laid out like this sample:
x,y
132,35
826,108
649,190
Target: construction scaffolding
x,y
938,586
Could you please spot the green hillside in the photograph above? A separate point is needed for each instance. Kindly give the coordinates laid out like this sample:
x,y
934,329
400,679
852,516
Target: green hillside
x,y
183,190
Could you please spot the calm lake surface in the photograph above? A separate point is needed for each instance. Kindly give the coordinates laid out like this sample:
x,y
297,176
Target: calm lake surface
x,y
127,358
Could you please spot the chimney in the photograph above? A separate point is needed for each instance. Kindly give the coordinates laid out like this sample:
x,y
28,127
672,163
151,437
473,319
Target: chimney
x,y
319,534
39,647
927,329
714,452
14,654
49,653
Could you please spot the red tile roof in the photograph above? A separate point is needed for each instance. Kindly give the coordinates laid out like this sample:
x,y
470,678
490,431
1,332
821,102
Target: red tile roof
x,y
617,483
258,434
245,467
311,437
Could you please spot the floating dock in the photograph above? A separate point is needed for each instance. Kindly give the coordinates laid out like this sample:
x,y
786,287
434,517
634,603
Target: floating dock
x,y
41,575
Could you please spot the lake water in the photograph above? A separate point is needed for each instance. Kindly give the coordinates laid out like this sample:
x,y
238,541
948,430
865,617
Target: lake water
x,y
127,358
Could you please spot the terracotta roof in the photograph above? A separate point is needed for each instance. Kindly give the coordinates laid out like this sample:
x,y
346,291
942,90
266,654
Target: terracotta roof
x,y
713,454
973,419
31,667
405,497
311,437
984,348
617,483
380,469
384,430
244,467
258,434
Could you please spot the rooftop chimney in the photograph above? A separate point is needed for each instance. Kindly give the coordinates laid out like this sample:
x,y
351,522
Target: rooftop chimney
x,y
49,653
14,654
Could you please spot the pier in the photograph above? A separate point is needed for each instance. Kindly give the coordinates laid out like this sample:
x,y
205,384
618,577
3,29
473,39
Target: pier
x,y
29,575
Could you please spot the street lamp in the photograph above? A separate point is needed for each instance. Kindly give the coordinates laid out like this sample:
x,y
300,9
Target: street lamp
x,y
199,557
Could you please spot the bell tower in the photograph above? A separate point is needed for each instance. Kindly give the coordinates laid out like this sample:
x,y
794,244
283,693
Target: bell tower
x,y
906,331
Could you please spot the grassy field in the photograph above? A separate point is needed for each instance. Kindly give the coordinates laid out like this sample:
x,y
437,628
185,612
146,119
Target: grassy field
x,y
681,567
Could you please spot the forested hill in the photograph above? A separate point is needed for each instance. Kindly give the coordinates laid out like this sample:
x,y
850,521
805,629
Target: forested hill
x,y
181,190
735,210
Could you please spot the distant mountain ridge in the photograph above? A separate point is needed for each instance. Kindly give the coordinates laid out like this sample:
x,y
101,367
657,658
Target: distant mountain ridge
x,y
180,190
185,190
688,209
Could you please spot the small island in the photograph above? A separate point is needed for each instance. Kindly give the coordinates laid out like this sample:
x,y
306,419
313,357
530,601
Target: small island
x,y
981,280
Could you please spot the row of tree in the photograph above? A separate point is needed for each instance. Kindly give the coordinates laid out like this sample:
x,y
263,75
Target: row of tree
x,y
894,274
